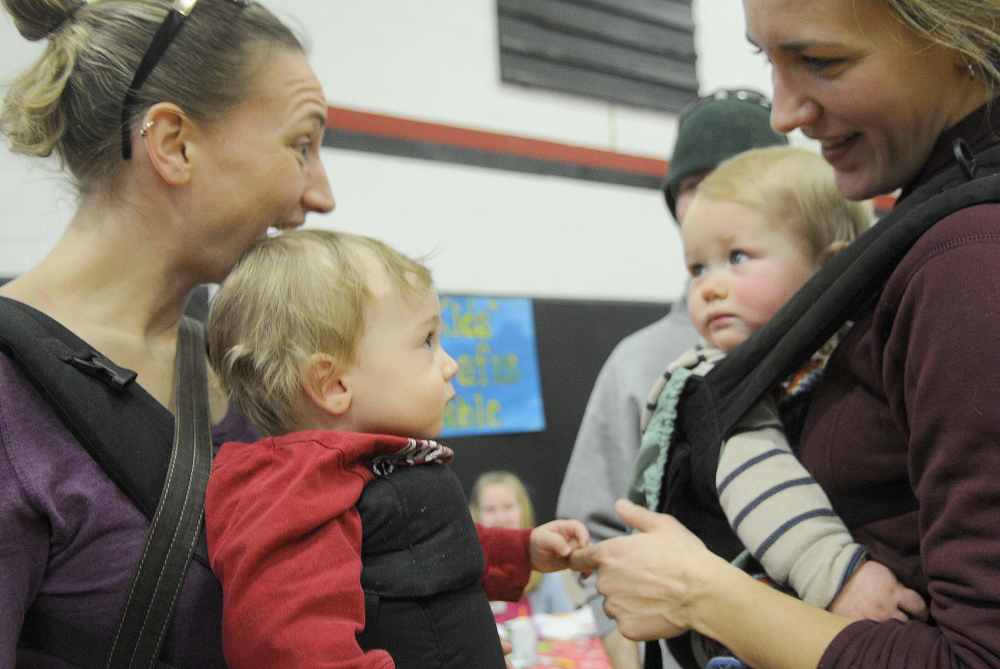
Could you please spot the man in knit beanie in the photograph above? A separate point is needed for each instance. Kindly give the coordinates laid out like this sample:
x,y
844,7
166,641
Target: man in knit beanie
x,y
714,128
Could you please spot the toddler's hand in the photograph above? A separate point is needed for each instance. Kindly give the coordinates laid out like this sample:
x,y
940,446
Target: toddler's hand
x,y
873,592
507,650
552,543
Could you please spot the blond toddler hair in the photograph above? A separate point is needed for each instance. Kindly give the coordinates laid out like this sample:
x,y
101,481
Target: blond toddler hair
x,y
792,187
290,297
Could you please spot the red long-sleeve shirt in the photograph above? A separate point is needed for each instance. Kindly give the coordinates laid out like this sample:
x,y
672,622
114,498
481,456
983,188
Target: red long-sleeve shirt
x,y
284,538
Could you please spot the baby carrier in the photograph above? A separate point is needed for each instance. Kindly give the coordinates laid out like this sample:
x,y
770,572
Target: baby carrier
x,y
136,441
681,480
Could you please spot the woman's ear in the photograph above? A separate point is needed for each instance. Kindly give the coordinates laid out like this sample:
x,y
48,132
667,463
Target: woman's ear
x,y
165,133
322,381
831,250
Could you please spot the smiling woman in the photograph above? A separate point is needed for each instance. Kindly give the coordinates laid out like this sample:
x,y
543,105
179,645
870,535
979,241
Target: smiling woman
x,y
828,61
189,128
900,94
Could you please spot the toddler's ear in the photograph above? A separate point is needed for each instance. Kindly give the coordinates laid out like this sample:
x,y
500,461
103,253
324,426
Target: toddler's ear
x,y
831,250
322,382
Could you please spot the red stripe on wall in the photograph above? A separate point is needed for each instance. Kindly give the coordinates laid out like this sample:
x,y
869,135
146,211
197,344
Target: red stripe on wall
x,y
367,123
390,126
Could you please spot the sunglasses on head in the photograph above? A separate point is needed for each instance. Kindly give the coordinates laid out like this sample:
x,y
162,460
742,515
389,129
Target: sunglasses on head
x,y
745,94
166,33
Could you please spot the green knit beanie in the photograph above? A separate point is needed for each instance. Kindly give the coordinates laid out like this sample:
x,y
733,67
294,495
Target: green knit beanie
x,y
716,129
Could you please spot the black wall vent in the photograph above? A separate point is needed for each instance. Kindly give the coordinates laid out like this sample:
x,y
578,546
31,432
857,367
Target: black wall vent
x,y
633,52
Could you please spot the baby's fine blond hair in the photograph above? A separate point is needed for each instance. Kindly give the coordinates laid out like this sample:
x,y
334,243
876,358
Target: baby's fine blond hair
x,y
792,187
290,297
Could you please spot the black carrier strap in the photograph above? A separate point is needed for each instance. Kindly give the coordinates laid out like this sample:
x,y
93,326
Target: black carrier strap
x,y
52,358
127,432
69,642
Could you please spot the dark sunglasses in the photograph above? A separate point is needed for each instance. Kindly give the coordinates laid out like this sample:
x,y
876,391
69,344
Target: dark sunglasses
x,y
161,40
745,94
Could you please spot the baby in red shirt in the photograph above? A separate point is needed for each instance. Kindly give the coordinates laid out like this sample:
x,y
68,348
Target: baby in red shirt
x,y
341,539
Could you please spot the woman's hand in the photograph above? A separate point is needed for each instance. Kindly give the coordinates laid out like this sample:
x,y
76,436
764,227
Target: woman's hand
x,y
663,581
648,579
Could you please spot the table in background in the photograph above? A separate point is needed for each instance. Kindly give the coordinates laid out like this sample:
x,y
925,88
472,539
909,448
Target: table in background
x,y
581,653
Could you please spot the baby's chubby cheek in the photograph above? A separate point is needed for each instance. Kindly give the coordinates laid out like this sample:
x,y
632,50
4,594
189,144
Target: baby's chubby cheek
x,y
760,301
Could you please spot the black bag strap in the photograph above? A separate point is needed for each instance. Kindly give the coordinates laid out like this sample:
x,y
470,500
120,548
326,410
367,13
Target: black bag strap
x,y
174,531
176,526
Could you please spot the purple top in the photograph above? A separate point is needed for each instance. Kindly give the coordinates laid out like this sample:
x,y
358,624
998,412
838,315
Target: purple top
x,y
70,539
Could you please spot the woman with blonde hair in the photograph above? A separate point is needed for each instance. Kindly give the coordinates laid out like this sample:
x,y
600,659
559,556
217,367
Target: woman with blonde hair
x,y
900,94
189,129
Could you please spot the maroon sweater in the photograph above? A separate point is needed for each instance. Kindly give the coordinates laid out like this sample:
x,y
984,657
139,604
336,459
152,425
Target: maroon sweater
x,y
913,393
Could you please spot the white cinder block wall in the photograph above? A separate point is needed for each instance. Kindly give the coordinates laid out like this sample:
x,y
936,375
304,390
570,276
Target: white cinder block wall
x,y
487,231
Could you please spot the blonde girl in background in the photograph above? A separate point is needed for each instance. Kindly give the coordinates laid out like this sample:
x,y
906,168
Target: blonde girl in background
x,y
499,499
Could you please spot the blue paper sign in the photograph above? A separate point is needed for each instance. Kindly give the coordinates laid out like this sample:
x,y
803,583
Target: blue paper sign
x,y
498,387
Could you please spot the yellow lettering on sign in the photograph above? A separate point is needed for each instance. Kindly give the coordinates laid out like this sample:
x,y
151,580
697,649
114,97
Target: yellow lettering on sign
x,y
483,367
468,322
481,413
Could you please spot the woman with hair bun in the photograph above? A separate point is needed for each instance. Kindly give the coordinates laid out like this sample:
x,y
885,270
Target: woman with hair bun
x,y
900,94
189,129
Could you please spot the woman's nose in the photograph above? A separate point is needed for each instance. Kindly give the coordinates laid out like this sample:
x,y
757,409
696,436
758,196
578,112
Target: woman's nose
x,y
791,107
317,195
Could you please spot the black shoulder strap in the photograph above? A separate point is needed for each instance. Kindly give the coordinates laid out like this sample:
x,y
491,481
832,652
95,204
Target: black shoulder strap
x,y
177,523
174,530
827,301
127,432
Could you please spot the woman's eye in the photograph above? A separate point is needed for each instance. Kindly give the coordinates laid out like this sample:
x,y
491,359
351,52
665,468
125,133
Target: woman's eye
x,y
306,145
429,340
817,64
738,257
757,51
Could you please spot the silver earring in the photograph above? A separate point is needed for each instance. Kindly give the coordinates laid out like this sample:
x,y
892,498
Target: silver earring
x,y
972,71
150,124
